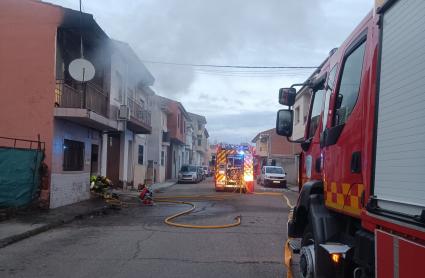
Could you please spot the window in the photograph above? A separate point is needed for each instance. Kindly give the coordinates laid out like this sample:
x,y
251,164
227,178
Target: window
x,y
315,112
140,155
162,158
350,84
297,115
178,120
120,86
329,88
73,155
199,140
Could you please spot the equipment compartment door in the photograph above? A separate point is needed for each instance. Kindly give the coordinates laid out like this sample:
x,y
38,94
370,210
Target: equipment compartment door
x,y
400,148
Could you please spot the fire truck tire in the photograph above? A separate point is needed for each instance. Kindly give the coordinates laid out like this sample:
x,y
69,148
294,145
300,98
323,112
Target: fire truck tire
x,y
307,254
307,261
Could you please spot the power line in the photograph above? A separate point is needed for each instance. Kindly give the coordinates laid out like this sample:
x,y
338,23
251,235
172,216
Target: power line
x,y
228,66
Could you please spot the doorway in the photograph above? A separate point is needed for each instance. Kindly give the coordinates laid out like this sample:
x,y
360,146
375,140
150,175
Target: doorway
x,y
94,162
113,158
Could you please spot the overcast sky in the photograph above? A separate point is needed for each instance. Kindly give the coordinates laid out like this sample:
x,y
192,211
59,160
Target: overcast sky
x,y
237,103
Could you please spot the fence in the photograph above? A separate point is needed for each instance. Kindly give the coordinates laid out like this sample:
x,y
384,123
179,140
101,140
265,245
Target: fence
x,y
20,175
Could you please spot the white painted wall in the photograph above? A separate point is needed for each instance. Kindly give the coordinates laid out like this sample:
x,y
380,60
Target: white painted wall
x,y
68,187
154,140
302,102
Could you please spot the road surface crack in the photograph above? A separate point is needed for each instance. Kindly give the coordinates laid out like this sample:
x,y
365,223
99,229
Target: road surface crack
x,y
139,245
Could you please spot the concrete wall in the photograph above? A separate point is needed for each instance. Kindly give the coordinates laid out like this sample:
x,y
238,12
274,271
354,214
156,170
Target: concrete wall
x,y
289,165
27,71
71,186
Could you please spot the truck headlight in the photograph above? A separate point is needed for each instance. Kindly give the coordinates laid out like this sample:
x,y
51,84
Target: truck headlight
x,y
248,177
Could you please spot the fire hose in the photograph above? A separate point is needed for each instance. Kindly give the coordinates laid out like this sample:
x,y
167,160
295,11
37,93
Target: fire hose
x,y
193,198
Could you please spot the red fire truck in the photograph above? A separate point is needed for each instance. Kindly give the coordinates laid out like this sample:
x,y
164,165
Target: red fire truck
x,y
361,208
234,167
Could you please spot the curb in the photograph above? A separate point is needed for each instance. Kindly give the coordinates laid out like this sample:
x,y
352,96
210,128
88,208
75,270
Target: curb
x,y
15,238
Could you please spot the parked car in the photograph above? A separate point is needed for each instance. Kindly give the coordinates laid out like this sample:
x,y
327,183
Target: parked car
x,y
189,173
272,176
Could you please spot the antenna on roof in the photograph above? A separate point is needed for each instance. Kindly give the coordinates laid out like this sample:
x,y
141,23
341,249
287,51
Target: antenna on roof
x,y
81,33
81,69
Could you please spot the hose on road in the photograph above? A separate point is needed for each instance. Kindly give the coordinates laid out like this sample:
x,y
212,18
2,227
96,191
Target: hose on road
x,y
194,198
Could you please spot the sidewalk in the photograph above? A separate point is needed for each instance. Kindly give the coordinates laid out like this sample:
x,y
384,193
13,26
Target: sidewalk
x,y
157,187
28,224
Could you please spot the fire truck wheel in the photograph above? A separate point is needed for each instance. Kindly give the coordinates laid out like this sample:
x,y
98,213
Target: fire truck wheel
x,y
307,254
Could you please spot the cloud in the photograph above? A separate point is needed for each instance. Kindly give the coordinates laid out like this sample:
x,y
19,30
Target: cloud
x,y
255,32
242,127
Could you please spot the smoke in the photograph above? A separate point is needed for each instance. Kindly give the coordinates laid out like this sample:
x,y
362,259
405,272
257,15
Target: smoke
x,y
219,31
272,32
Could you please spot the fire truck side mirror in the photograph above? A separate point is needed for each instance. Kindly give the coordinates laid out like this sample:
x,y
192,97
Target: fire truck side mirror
x,y
287,96
284,122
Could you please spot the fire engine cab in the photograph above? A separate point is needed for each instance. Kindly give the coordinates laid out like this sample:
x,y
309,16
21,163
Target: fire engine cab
x,y
361,208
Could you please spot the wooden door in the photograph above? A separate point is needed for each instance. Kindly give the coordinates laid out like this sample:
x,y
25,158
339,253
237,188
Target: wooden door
x,y
113,158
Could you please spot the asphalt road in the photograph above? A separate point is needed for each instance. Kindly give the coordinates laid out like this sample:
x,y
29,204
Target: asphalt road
x,y
134,242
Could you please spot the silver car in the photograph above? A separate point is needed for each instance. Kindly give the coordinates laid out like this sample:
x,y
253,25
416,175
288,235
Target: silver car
x,y
189,173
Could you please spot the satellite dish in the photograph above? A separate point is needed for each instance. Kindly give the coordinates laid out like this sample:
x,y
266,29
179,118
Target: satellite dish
x,y
81,70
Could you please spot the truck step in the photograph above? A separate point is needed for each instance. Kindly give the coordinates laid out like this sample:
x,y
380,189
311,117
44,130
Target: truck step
x,y
295,245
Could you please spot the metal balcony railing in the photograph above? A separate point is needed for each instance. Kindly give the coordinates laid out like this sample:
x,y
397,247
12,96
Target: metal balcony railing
x,y
92,98
138,112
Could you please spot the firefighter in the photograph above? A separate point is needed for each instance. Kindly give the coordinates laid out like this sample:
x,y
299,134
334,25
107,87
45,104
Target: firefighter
x,y
146,195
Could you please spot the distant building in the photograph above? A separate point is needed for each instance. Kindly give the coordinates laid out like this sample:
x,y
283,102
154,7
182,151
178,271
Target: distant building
x,y
200,139
212,154
272,149
177,119
301,110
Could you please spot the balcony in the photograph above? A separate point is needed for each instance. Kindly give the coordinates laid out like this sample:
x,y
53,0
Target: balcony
x,y
140,118
86,106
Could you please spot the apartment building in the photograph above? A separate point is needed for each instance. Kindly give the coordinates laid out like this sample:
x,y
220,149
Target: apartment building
x,y
200,139
130,104
88,128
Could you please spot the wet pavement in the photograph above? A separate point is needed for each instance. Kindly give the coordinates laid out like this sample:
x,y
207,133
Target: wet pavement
x,y
135,241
